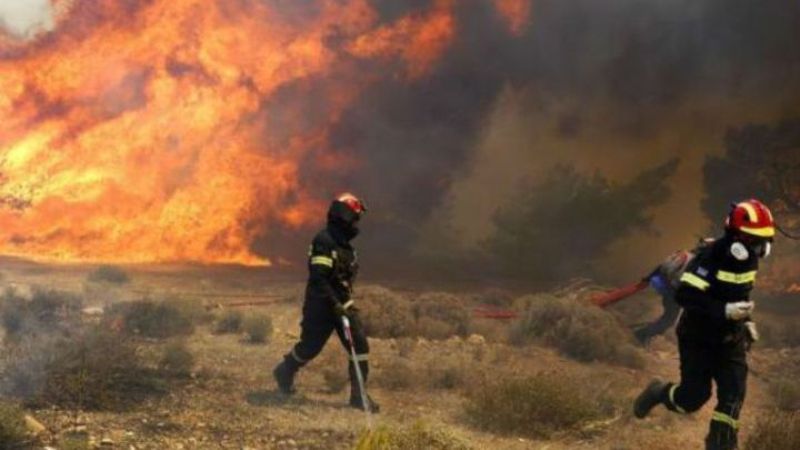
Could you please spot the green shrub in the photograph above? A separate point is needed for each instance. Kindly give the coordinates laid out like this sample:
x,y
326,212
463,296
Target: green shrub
x,y
109,274
416,437
153,319
258,329
786,393
535,407
13,431
176,360
776,431
580,331
230,322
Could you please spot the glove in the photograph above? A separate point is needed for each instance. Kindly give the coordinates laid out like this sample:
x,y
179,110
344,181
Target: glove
x,y
739,310
343,309
752,331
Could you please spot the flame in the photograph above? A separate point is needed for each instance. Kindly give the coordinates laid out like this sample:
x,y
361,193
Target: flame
x,y
146,131
516,13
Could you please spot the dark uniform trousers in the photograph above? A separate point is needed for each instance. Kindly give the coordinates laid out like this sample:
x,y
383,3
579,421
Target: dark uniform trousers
x,y
726,365
319,322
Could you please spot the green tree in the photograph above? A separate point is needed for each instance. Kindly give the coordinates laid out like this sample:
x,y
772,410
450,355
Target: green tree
x,y
761,161
555,230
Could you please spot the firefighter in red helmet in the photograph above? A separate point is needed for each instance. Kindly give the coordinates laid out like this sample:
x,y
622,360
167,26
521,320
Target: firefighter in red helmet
x,y
716,329
332,266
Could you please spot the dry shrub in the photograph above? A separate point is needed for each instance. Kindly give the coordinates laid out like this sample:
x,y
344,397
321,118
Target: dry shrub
x,y
230,322
416,437
776,431
153,319
396,376
448,375
193,309
47,311
385,313
258,329
580,331
13,432
536,407
94,370
109,274
441,315
786,394
176,360
389,314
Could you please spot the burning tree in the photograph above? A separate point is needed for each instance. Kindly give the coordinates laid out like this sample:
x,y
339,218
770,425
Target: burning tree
x,y
557,229
760,161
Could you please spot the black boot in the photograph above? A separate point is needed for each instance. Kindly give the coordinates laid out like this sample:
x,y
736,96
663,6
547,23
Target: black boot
x,y
284,374
356,400
652,396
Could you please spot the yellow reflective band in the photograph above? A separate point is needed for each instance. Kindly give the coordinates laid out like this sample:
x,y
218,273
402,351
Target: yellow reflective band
x,y
751,211
361,358
695,281
322,261
761,232
348,304
736,278
672,398
726,419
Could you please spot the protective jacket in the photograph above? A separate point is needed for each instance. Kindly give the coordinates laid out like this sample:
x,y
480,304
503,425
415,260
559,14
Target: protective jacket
x,y
724,272
332,268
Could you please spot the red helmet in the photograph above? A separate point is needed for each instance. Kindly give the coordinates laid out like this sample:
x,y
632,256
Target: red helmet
x,y
346,209
751,217
352,202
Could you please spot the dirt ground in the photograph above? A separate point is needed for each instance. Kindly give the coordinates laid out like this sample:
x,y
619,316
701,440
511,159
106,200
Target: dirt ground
x,y
230,401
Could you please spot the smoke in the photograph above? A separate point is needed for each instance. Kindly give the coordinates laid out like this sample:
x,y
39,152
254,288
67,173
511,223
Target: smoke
x,y
434,110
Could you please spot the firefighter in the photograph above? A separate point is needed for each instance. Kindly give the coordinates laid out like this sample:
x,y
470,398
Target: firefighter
x,y
715,330
333,266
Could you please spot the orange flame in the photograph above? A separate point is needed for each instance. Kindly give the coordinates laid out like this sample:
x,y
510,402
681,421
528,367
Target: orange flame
x,y
516,13
136,133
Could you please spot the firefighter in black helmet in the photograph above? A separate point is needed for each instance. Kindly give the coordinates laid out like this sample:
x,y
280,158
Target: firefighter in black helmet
x,y
716,329
333,266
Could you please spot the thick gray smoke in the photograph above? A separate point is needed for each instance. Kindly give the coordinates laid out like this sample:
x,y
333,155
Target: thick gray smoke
x,y
610,86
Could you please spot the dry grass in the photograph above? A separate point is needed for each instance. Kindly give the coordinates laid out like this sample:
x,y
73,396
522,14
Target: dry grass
x,y
778,431
176,360
535,407
786,394
13,432
230,322
579,331
416,437
258,329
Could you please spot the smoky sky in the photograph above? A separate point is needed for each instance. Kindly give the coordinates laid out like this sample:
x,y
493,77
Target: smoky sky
x,y
632,62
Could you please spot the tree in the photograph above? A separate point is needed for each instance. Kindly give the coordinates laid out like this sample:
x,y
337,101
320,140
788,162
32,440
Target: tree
x,y
760,161
556,230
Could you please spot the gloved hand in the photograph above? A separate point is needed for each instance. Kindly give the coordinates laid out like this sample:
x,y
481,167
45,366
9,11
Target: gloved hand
x,y
343,309
752,331
739,310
